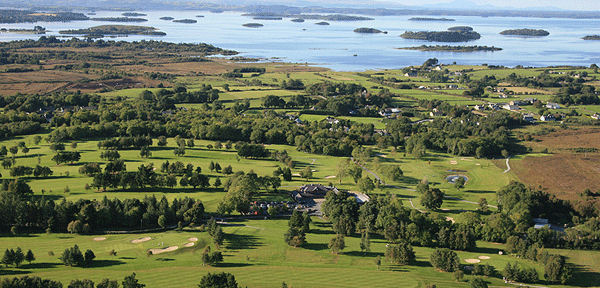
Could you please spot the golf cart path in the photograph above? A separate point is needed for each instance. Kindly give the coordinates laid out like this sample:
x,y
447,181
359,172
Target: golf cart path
x,y
507,165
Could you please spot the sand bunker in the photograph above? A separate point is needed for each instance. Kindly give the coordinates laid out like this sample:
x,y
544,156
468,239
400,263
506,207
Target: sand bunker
x,y
160,251
484,257
450,219
99,238
453,162
472,261
296,174
141,240
193,239
189,244
330,177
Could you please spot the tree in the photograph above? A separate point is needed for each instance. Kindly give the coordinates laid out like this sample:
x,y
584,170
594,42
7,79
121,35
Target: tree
x,y
145,152
107,283
57,147
162,141
85,283
394,173
29,257
211,166
337,244
306,173
355,171
432,199
90,169
400,254
365,242
14,150
8,258
217,183
131,282
342,169
218,237
228,170
459,275
253,151
366,185
170,181
218,167
179,151
211,258
217,280
460,183
72,257
75,226
162,221
296,234
18,257
445,259
557,270
483,205
478,283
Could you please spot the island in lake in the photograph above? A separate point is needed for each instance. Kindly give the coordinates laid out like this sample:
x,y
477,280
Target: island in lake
x,y
368,30
133,14
30,16
332,17
591,37
525,32
99,31
253,25
442,36
461,28
119,19
323,23
431,19
268,18
186,21
298,20
199,16
167,18
35,30
449,48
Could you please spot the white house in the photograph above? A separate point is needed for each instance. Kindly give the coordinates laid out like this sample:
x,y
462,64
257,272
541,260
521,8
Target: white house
x,y
529,118
511,107
435,112
551,105
547,118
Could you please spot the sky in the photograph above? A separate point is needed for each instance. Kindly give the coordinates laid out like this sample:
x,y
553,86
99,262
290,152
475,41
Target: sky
x,y
563,4
587,5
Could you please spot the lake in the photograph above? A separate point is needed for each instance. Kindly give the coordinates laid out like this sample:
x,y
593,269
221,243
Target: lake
x,y
337,47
